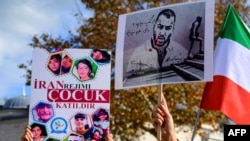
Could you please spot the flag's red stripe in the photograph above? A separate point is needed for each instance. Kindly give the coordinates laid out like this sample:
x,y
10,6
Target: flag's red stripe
x,y
225,95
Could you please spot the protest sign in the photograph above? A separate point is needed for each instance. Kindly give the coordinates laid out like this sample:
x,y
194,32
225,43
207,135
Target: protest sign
x,y
165,45
70,94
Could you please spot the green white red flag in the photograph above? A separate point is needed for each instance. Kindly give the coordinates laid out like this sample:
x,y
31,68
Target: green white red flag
x,y
230,90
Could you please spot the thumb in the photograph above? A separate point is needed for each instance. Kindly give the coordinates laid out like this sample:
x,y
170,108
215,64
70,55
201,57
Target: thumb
x,y
163,100
165,105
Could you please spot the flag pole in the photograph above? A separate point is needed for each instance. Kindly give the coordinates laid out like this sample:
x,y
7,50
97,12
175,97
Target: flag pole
x,y
196,123
159,101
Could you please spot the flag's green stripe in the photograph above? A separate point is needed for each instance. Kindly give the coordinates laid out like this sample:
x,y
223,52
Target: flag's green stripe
x,y
234,28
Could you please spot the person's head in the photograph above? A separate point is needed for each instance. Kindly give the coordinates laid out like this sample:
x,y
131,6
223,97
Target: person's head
x,y
96,135
163,27
100,55
198,18
103,115
44,111
66,62
37,131
55,63
84,69
80,120
75,137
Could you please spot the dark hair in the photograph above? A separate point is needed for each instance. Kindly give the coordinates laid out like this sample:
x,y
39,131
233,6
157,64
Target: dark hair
x,y
43,104
56,56
80,115
96,130
105,54
99,112
51,139
168,13
76,135
42,127
102,111
59,58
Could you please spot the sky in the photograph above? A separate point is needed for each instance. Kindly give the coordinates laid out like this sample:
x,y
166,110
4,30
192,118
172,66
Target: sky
x,y
20,21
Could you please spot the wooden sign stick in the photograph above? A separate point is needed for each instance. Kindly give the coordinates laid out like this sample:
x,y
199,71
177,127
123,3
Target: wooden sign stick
x,y
159,101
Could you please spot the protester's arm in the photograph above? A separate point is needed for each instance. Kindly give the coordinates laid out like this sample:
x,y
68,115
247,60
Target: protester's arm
x,y
27,135
162,117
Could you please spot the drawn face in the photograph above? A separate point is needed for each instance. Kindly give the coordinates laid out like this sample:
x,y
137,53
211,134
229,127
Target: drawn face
x,y
44,112
36,131
74,138
54,64
83,71
80,122
163,29
67,62
97,55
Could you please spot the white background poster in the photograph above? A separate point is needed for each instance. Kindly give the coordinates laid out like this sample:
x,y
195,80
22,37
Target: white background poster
x,y
70,94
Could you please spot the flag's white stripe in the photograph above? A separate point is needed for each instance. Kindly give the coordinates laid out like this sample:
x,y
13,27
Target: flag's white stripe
x,y
232,60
